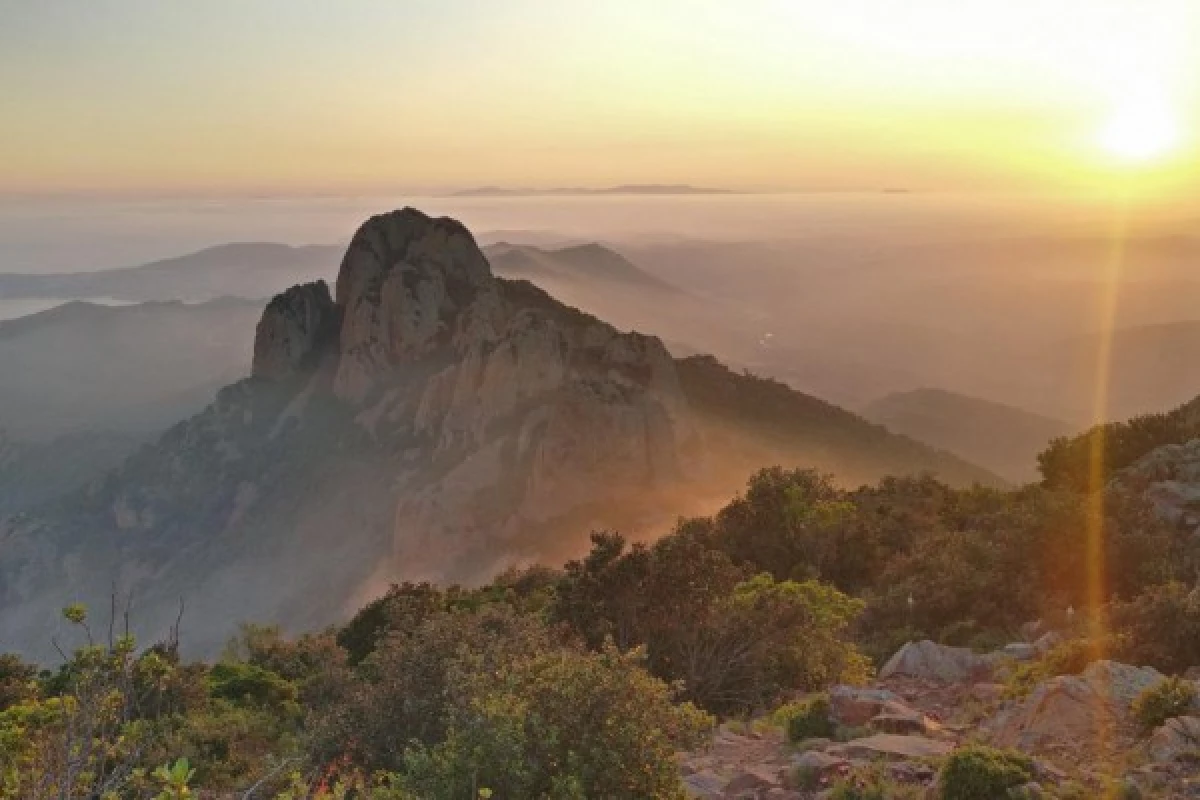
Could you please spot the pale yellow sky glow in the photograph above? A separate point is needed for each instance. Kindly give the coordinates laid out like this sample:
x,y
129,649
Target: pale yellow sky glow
x,y
299,95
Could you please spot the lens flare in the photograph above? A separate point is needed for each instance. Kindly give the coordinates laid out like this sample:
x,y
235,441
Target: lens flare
x,y
1141,129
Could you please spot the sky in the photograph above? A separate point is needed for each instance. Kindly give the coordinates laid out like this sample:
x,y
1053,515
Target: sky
x,y
280,96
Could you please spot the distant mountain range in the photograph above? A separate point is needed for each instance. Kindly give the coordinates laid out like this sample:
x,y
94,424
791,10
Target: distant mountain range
x,y
1002,438
647,188
426,420
241,269
83,367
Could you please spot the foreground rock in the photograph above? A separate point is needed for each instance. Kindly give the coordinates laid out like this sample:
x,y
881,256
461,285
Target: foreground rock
x,y
1075,712
891,746
879,709
1177,738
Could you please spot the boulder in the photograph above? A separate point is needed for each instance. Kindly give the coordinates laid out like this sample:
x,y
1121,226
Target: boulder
x,y
1073,710
1020,651
1032,630
819,763
705,785
1048,642
753,779
857,705
930,661
897,717
1177,737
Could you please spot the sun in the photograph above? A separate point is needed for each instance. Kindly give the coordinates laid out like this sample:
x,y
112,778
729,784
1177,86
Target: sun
x,y
1140,129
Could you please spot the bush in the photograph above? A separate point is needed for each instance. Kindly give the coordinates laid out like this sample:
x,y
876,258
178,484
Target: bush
x,y
1169,698
873,783
982,773
251,686
563,723
1066,658
810,720
1161,627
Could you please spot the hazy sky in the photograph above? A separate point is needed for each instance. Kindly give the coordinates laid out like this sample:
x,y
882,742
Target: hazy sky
x,y
270,95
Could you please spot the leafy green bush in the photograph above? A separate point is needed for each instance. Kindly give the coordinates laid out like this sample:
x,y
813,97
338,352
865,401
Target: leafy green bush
x,y
810,720
252,686
1169,698
976,772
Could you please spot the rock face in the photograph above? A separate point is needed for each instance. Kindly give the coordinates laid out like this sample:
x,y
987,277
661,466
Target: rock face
x,y
1169,477
526,405
297,328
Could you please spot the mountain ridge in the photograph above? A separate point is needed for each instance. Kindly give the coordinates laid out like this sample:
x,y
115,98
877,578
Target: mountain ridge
x,y
1002,437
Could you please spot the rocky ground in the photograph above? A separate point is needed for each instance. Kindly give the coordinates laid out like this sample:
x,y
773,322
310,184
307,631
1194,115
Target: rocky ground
x,y
930,700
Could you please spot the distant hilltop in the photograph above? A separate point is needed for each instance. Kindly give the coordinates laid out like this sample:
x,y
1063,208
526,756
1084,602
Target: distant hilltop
x,y
649,188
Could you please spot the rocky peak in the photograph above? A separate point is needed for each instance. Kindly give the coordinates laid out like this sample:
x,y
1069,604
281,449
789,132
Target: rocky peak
x,y
404,283
297,328
524,405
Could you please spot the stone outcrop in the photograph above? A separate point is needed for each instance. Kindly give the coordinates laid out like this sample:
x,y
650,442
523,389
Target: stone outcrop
x,y
1169,478
854,706
527,406
297,329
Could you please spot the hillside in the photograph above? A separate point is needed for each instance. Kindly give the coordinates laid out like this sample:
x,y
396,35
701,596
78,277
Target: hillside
x,y
241,269
1067,461
427,420
1002,438
32,473
135,368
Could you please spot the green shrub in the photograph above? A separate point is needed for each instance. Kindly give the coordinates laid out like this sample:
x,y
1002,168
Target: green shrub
x,y
250,686
982,773
1172,697
1161,627
805,779
1066,658
810,720
848,733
